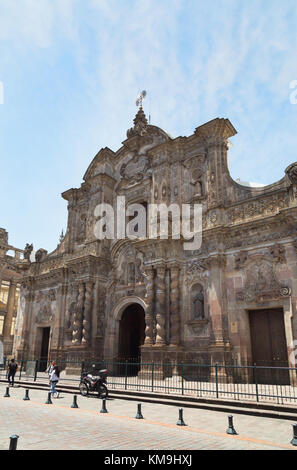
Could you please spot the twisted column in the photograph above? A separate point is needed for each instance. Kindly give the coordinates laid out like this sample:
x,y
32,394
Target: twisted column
x,y
78,316
160,306
149,297
174,306
86,332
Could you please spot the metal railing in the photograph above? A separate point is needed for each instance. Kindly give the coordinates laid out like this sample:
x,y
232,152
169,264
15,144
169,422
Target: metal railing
x,y
234,382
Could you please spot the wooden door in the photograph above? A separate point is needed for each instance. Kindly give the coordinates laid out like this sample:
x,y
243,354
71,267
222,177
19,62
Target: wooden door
x,y
269,348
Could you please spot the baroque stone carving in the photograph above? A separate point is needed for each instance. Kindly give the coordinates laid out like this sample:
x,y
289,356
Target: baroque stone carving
x,y
261,283
292,173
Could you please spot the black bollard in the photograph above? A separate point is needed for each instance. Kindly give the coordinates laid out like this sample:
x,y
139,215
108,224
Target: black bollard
x,y
26,395
139,414
13,442
74,404
181,420
103,409
7,393
231,429
49,401
294,440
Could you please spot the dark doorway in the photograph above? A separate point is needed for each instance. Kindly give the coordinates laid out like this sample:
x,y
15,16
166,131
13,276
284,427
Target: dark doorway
x,y
269,348
44,349
131,334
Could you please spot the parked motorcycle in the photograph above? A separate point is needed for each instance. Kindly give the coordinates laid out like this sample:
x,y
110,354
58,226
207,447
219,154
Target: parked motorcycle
x,y
94,383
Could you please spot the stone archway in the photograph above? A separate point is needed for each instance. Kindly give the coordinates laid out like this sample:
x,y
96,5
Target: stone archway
x,y
131,333
112,345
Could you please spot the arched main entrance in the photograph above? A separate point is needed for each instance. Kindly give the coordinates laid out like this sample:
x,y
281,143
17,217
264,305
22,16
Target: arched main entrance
x,y
131,332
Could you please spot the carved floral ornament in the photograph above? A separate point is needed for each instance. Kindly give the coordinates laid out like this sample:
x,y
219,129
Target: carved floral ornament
x,y
261,283
257,208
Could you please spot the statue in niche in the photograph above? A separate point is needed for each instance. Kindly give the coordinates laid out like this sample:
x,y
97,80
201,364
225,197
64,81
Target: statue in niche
x,y
196,181
198,303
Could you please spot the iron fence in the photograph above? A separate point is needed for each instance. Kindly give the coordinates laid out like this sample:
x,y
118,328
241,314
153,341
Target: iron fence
x,y
234,382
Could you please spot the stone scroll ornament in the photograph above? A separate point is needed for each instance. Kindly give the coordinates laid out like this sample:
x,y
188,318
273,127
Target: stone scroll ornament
x,y
78,316
149,298
292,173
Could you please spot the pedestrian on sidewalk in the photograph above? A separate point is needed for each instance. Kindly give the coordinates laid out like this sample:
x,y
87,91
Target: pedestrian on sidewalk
x,y
50,368
54,379
11,369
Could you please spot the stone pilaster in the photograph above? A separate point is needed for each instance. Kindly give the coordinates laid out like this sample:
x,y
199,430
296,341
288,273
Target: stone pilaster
x,y
10,311
174,306
78,316
149,298
160,306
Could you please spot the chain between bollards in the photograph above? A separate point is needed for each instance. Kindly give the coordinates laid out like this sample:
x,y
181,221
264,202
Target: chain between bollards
x,y
74,404
231,429
103,409
26,395
139,413
180,419
7,393
13,442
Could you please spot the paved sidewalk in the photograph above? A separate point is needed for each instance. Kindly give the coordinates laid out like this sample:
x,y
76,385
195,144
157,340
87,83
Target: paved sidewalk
x,y
58,426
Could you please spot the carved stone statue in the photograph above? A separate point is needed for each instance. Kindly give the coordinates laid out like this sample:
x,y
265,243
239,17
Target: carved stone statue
x,y
28,250
198,303
40,255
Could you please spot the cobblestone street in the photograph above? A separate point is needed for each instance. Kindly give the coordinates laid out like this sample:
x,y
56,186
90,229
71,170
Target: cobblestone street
x,y
58,426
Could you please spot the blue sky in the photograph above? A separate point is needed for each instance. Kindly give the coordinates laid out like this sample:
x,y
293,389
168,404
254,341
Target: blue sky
x,y
71,71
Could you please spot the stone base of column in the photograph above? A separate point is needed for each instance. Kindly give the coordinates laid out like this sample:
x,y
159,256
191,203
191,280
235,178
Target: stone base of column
x,y
220,354
163,358
7,347
75,356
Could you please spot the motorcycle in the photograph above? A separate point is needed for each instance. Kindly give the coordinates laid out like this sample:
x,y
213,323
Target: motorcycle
x,y
94,383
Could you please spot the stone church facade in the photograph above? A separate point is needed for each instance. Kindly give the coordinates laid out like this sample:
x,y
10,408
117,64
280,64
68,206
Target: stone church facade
x,y
119,299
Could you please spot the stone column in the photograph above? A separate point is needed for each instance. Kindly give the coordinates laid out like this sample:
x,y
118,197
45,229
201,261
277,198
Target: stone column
x,y
78,316
87,321
10,311
174,306
149,298
160,306
220,346
24,349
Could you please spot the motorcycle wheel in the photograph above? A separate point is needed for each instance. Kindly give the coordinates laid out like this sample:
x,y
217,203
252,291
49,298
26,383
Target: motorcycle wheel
x,y
102,391
84,389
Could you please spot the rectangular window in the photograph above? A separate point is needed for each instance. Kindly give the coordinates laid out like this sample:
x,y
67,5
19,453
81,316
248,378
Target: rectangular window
x,y
4,289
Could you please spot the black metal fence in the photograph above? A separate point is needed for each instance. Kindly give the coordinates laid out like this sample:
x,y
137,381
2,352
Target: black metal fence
x,y
234,382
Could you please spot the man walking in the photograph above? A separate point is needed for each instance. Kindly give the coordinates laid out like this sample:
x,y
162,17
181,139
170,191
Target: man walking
x,y
11,369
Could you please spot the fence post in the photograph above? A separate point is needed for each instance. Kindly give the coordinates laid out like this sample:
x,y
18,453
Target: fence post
x,y
256,383
182,375
82,368
153,366
35,371
126,373
217,382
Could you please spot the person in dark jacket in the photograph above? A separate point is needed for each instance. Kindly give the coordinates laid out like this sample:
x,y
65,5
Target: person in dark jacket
x,y
11,369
